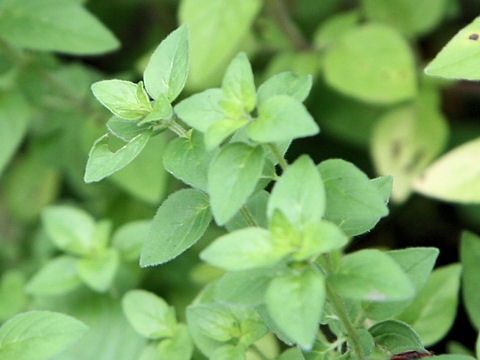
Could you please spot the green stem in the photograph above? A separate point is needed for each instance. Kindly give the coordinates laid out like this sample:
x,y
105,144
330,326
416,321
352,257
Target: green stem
x,y
341,311
281,160
177,128
280,13
248,217
259,352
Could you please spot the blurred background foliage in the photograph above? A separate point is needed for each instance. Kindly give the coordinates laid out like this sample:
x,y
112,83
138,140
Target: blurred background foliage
x,y
386,120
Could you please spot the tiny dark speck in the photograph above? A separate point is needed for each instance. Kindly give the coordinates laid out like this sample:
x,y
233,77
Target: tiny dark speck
x,y
473,37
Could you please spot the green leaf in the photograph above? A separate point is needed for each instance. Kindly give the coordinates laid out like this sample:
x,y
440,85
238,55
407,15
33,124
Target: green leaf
x,y
179,347
238,84
243,249
102,162
457,60
372,63
318,238
14,118
246,287
464,187
123,98
409,16
406,139
218,132
417,263
228,352
179,222
232,177
162,110
201,110
333,28
384,186
353,202
54,25
292,354
187,159
217,29
12,295
37,335
281,118
69,228
98,271
56,277
452,357
470,255
128,239
301,202
125,129
167,70
396,337
149,314
295,302
286,83
215,321
373,276
433,311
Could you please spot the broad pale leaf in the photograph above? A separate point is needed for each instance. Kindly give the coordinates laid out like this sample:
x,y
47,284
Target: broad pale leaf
x,y
455,176
232,177
396,337
123,98
37,335
128,239
54,25
149,314
286,83
179,347
373,63
98,271
295,303
238,84
167,70
179,222
458,59
299,194
282,118
124,129
103,162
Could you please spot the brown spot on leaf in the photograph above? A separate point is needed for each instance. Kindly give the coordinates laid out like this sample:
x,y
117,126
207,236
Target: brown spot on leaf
x,y
473,37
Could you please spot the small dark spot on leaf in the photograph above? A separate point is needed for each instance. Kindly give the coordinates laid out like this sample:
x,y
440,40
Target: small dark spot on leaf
x,y
473,37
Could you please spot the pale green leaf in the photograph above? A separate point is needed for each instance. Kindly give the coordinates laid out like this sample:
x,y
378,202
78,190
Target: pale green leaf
x,y
149,314
14,116
458,59
201,110
56,277
103,162
304,201
187,159
128,239
179,347
372,63
167,70
12,294
286,83
70,229
54,25
232,177
217,28
243,249
123,98
228,352
353,202
437,181
433,311
98,270
179,222
214,320
37,335
333,28
218,132
470,256
406,139
373,276
282,118
124,129
162,110
412,17
295,303
238,84
257,208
